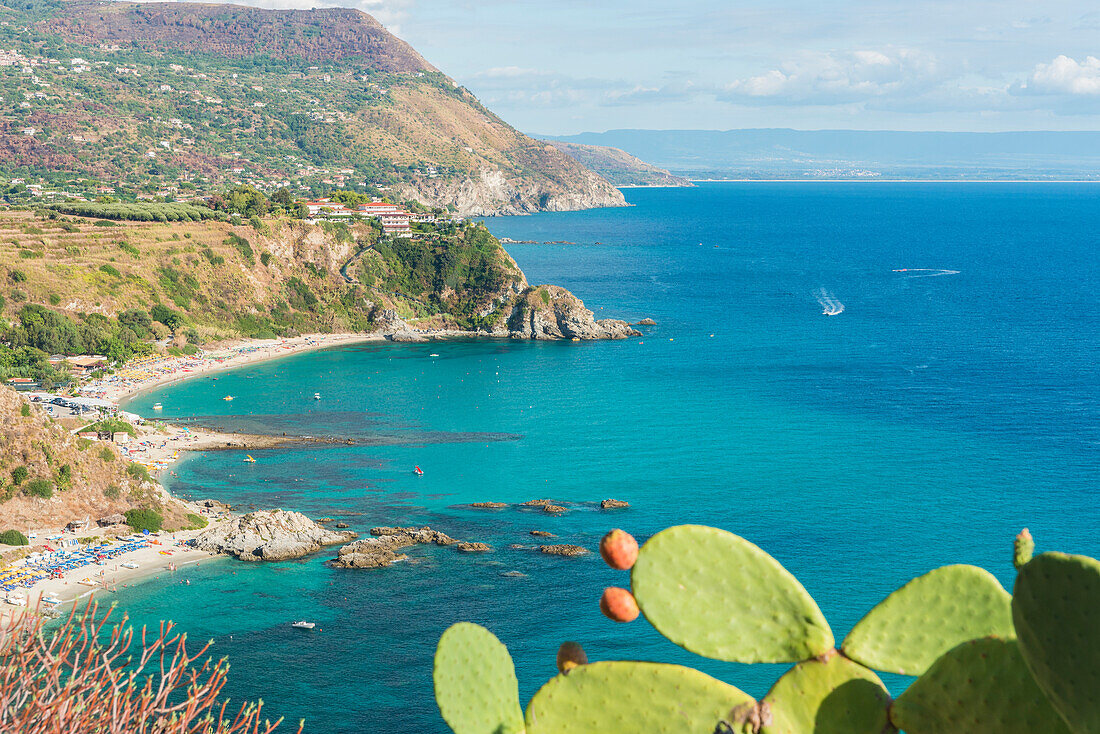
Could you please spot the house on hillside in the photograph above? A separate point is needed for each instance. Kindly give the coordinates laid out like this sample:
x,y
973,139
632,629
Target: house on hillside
x,y
86,364
396,223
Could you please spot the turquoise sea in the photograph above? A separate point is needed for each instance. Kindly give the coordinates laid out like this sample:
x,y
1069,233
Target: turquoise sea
x,y
937,414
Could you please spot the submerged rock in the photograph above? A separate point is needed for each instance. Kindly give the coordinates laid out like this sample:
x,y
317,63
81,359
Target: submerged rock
x,y
536,503
542,534
489,505
563,550
268,535
613,504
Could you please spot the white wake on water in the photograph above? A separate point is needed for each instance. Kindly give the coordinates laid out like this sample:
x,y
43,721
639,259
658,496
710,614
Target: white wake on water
x,y
830,306
926,272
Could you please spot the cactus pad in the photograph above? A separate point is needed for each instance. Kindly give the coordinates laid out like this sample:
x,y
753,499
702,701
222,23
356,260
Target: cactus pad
x,y
1055,607
718,595
980,687
832,696
475,682
931,614
632,698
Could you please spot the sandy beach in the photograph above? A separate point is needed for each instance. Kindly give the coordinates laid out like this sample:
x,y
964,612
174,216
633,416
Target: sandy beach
x,y
157,449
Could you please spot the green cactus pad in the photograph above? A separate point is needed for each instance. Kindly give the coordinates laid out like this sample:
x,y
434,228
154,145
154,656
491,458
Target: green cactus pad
x,y
627,697
1055,606
931,614
718,595
980,687
475,682
835,696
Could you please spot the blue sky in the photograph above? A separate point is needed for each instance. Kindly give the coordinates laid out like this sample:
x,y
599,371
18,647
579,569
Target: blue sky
x,y
571,66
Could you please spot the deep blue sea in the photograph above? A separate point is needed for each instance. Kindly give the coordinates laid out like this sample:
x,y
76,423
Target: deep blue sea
x,y
941,411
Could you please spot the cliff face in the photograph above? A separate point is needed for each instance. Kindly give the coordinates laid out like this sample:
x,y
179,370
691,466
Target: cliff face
x,y
552,312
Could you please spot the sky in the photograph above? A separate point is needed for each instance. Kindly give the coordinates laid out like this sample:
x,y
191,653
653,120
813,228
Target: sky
x,y
559,67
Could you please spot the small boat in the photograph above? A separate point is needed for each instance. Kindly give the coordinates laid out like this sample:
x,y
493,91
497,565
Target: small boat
x,y
16,600
418,471
158,406
433,354
304,625
316,396
228,397
51,599
248,459
129,564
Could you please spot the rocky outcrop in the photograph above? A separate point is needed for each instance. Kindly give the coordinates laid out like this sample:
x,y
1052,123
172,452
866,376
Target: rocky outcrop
x,y
116,519
474,547
613,504
552,312
268,535
646,322
491,191
553,509
563,550
380,550
537,503
542,534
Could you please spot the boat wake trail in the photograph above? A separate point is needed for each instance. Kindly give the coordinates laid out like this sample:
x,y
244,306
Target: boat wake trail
x,y
830,306
925,272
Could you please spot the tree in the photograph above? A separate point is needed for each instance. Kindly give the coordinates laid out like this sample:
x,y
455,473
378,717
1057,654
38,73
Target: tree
x,y
13,537
139,520
137,320
283,197
166,316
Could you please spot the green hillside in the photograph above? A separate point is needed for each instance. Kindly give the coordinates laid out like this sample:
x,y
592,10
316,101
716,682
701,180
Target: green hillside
x,y
181,99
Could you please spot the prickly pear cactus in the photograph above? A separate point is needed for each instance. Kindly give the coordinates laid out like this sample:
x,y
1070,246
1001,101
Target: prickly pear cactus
x,y
718,595
632,698
829,696
931,614
980,687
475,682
1022,548
1056,608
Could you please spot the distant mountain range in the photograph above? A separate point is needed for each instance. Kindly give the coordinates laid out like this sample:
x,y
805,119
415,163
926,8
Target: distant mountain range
x,y
185,98
849,154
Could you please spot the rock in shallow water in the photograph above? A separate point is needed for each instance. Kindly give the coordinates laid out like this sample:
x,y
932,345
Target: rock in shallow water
x,y
380,551
489,505
563,550
268,535
474,547
613,504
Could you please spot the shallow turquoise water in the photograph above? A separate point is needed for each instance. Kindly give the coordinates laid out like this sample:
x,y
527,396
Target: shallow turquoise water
x,y
924,425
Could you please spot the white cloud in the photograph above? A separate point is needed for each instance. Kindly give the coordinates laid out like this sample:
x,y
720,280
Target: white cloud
x,y
1063,75
832,78
506,72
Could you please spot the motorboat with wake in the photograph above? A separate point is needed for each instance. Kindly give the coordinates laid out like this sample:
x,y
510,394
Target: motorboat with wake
x,y
304,625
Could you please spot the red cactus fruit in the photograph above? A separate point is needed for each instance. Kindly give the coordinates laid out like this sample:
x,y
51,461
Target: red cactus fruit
x,y
618,605
619,549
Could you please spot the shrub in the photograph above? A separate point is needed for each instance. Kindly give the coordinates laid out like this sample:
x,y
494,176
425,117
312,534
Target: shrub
x,y
110,270
113,492
39,488
130,249
138,472
55,300
25,410
106,454
19,475
17,276
195,522
139,520
265,258
13,537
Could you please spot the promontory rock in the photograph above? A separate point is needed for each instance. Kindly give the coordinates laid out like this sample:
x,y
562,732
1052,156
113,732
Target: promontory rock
x,y
379,551
552,312
613,504
268,535
563,550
